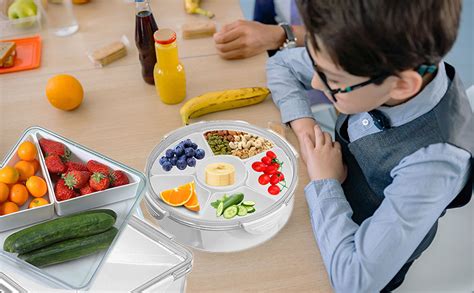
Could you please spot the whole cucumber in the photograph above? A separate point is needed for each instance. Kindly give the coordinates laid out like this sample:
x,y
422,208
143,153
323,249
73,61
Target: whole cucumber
x,y
44,234
70,249
234,199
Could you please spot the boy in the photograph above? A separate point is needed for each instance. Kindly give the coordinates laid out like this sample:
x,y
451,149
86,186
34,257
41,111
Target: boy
x,y
404,141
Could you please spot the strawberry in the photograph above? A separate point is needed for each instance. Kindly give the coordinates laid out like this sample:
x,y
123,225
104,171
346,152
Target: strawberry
x,y
95,167
63,192
86,190
54,164
75,166
76,179
51,147
99,181
118,178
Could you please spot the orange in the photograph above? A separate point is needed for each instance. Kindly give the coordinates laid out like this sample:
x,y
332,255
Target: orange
x,y
179,195
9,175
193,203
64,92
37,202
8,207
18,194
27,151
36,165
26,170
36,186
4,191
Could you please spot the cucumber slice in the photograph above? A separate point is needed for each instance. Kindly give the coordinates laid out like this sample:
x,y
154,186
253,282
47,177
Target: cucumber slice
x,y
248,203
242,211
220,209
250,209
230,212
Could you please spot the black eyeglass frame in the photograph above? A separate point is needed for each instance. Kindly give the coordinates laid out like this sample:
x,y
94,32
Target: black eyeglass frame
x,y
347,89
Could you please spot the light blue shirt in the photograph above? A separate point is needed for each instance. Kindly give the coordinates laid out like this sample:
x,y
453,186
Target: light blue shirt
x,y
365,258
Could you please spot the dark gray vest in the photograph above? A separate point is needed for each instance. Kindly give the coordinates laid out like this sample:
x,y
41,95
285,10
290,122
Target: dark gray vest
x,y
371,158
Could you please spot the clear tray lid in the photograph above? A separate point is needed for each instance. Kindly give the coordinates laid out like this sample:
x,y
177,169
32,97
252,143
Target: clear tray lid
x,y
266,205
143,259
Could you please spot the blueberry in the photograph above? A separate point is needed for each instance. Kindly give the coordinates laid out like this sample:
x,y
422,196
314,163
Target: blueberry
x,y
194,146
199,154
167,166
179,150
189,152
191,162
173,161
163,160
187,143
183,158
169,153
181,164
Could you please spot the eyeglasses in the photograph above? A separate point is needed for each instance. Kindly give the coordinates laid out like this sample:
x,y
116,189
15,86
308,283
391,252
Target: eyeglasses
x,y
324,79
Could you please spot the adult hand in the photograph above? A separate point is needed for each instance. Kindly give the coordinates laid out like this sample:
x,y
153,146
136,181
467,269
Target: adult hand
x,y
324,157
243,39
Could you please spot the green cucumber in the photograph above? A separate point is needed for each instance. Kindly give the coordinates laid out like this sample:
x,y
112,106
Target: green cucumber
x,y
242,211
107,211
46,233
231,212
248,203
220,209
234,199
70,249
250,209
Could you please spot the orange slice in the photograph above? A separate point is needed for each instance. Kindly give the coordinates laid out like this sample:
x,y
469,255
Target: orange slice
x,y
193,203
178,196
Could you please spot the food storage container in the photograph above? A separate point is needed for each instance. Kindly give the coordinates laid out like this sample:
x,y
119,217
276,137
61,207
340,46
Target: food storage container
x,y
20,26
204,229
155,259
143,260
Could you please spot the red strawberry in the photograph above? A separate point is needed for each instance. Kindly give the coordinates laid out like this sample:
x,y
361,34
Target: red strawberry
x,y
54,164
63,192
51,147
75,166
76,179
95,167
118,178
86,190
99,181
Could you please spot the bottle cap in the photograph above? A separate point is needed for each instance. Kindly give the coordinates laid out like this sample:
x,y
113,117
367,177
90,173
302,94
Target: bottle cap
x,y
164,36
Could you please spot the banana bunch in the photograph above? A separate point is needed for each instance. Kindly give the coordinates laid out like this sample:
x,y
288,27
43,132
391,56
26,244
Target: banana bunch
x,y
223,100
193,7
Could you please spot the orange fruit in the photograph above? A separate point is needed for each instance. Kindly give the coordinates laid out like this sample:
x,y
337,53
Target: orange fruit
x,y
37,202
193,203
36,165
18,194
9,175
26,170
36,186
8,207
4,191
27,151
178,196
64,92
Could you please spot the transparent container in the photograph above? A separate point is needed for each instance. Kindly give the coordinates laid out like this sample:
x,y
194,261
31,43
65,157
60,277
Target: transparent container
x,y
155,259
203,230
60,18
20,26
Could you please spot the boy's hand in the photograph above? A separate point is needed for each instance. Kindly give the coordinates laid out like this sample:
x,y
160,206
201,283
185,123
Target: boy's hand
x,y
302,128
324,157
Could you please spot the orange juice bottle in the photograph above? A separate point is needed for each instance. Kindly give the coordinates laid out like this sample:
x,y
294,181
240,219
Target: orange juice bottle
x,y
170,79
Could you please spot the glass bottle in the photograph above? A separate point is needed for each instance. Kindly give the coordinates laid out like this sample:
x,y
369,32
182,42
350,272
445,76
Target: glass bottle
x,y
145,26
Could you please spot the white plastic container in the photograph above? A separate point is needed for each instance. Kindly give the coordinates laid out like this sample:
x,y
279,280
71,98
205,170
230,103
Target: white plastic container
x,y
163,263
20,26
203,230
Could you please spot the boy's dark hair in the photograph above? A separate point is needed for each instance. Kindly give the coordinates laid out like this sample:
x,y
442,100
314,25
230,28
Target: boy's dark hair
x,y
375,37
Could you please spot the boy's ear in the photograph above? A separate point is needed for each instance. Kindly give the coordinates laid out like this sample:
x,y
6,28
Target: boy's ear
x,y
406,85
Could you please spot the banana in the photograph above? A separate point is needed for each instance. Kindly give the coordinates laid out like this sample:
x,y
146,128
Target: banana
x,y
220,174
223,100
193,7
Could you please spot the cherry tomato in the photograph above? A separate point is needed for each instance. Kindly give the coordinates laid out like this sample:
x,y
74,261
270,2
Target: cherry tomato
x,y
274,179
280,176
259,166
264,179
267,160
276,165
270,170
274,189
271,155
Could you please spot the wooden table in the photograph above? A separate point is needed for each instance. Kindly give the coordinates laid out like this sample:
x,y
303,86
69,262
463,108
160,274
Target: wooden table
x,y
123,118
